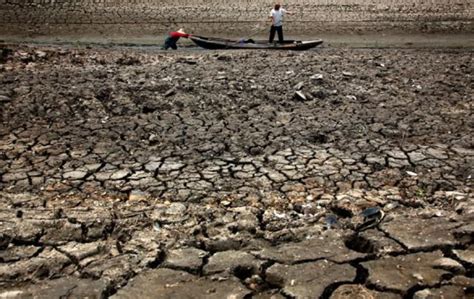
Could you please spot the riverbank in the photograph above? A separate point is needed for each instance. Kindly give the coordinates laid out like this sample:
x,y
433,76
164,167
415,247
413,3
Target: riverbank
x,y
373,40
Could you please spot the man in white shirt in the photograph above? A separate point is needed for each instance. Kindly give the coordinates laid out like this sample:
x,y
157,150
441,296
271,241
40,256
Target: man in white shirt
x,y
276,15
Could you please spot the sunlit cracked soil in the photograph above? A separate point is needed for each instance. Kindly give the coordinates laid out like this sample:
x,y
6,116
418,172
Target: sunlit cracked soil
x,y
132,172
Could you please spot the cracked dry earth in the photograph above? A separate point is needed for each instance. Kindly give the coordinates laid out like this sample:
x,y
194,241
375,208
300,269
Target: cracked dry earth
x,y
136,173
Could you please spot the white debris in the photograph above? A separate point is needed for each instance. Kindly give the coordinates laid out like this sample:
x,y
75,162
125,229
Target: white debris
x,y
316,77
299,95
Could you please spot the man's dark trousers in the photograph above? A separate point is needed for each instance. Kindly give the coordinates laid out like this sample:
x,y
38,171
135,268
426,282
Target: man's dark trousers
x,y
170,43
278,29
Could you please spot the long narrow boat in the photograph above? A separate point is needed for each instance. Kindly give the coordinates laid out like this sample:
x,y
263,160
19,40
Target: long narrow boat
x,y
222,43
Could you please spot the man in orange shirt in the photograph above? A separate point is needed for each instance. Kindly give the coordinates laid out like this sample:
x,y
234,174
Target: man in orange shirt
x,y
173,37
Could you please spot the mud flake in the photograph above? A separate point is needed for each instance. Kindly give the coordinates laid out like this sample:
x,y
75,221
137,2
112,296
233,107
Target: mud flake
x,y
309,280
68,287
330,245
466,255
350,291
407,271
120,174
189,259
75,175
232,261
178,284
422,233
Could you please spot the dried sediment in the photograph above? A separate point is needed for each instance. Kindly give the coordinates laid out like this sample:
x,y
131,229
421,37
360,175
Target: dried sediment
x,y
202,170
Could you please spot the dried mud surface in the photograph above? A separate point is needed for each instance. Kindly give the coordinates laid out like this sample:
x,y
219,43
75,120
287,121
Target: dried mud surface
x,y
137,173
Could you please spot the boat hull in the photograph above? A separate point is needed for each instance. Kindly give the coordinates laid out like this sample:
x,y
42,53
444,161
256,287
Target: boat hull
x,y
221,44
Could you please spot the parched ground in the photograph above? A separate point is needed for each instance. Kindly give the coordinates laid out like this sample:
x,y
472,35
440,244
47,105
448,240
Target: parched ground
x,y
138,173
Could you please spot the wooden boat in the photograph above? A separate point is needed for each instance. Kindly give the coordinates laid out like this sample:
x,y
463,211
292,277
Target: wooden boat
x,y
222,43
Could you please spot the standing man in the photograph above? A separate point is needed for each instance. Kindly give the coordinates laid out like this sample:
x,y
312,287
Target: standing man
x,y
276,15
173,37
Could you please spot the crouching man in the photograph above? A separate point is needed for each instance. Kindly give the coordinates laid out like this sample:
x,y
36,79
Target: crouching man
x,y
172,39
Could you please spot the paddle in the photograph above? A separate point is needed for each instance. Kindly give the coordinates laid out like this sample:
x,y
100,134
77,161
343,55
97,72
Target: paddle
x,y
258,29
